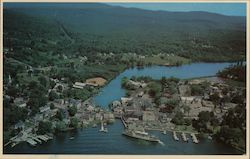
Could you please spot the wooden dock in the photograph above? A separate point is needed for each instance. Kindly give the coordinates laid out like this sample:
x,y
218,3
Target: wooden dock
x,y
175,136
31,142
184,137
31,139
124,123
195,140
37,140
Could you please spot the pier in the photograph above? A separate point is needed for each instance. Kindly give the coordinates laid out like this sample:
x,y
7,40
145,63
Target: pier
x,y
124,123
31,142
175,136
31,139
37,140
184,137
195,140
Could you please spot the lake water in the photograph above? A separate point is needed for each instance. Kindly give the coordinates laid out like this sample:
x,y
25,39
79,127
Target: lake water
x,y
113,90
91,141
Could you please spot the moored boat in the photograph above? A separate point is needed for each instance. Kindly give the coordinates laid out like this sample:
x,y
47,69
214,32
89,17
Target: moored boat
x,y
141,135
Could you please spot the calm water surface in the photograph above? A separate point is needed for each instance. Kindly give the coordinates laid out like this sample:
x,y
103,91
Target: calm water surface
x,y
113,90
91,141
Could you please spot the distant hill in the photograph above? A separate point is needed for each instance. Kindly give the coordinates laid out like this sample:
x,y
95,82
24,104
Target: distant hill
x,y
89,28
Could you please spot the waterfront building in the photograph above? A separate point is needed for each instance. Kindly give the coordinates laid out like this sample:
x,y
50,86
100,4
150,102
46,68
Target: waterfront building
x,y
125,100
116,103
19,125
79,85
44,109
20,102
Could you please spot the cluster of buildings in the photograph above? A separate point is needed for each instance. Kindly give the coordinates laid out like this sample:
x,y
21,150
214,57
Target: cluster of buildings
x,y
140,110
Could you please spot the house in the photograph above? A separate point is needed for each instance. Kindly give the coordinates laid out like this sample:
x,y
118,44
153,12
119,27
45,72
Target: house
x,y
66,121
53,112
38,117
129,110
207,103
20,102
108,116
187,100
44,109
19,125
141,94
185,90
59,101
98,116
88,117
79,85
136,114
118,111
74,102
125,100
130,119
116,103
22,105
149,116
138,84
90,108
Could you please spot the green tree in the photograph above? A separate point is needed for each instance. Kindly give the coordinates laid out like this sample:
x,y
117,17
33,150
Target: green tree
x,y
52,106
154,90
44,127
59,114
215,98
53,95
60,126
74,122
43,81
186,109
72,110
163,81
178,118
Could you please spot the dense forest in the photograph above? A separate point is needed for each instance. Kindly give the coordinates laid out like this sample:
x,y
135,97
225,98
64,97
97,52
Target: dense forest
x,y
88,29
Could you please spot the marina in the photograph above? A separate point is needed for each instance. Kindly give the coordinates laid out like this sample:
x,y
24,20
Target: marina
x,y
62,144
31,139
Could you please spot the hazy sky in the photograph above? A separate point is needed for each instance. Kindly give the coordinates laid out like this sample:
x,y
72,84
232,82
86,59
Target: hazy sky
x,y
237,9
